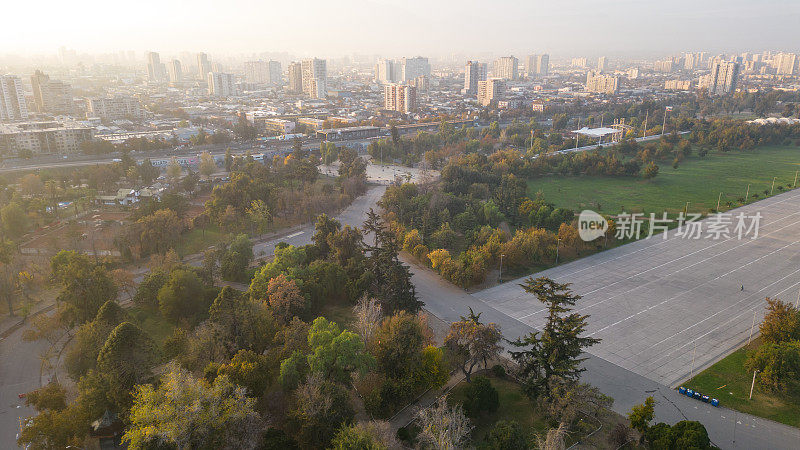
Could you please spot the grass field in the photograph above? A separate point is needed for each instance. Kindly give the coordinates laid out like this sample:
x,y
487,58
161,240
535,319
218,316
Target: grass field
x,y
697,180
730,373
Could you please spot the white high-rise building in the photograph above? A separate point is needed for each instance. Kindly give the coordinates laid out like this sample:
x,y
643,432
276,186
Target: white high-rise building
x,y
400,97
51,96
114,108
315,78
387,71
263,72
474,72
203,65
156,71
175,71
723,78
491,89
601,64
295,74
506,67
413,68
602,84
221,84
786,63
12,99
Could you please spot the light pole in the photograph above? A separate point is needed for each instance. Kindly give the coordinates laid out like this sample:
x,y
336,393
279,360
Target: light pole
x,y
664,126
751,328
558,242
718,200
694,352
773,185
795,177
686,209
500,278
753,384
747,194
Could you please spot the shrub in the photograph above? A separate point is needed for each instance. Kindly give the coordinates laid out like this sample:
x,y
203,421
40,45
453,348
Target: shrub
x,y
481,397
499,371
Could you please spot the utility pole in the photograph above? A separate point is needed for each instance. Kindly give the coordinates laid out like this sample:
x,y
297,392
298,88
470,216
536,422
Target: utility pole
x,y
686,209
773,185
751,328
795,178
664,126
718,200
747,194
797,302
753,384
694,352
500,278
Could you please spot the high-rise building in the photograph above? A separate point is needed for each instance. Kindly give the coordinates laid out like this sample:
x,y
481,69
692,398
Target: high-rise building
x,y
295,77
221,84
412,68
723,78
51,96
786,63
156,71
387,71
275,76
48,137
602,84
203,65
491,89
506,67
315,78
578,63
175,71
12,99
257,72
473,73
601,64
400,97
665,65
114,108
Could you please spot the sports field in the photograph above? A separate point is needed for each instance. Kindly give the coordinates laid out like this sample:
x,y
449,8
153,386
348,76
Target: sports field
x,y
698,181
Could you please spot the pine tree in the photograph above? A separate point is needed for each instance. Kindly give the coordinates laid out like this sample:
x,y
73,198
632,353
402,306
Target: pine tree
x,y
554,353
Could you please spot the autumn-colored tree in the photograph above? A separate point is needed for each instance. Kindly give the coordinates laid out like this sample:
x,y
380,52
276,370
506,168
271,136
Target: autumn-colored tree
x,y
471,342
285,299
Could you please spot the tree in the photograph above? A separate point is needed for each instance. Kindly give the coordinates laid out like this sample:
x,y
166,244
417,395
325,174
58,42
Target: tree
x,y
553,439
470,342
556,351
367,314
90,337
641,415
434,370
207,164
259,216
13,220
239,322
781,323
443,427
85,286
147,292
51,397
285,299
158,232
174,170
126,359
187,412
481,397
336,354
373,435
507,436
321,408
685,434
399,343
323,229
650,170
147,172
250,370
237,256
778,366
182,297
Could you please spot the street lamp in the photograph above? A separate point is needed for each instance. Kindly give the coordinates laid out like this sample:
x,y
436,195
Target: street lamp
x,y
753,384
500,278
558,242
773,185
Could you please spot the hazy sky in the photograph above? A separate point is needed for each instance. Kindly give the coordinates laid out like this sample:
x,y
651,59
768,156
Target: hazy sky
x,y
430,27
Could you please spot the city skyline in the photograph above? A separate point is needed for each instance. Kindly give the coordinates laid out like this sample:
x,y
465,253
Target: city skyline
x,y
309,28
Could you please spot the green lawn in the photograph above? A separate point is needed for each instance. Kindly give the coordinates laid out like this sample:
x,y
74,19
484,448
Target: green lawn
x,y
196,241
728,381
697,180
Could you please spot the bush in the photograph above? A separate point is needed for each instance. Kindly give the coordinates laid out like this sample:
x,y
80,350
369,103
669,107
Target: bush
x,y
619,436
506,436
481,397
499,371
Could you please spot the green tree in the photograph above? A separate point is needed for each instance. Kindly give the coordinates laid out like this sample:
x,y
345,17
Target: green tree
x,y
207,164
182,297
641,415
399,343
187,412
126,359
481,397
323,229
470,342
240,323
250,370
778,366
51,397
556,351
260,216
13,220
781,323
85,286
506,436
336,354
234,262
364,436
321,408
147,292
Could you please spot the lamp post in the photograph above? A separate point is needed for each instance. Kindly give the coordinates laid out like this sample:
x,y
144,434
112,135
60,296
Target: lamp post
x,y
773,185
747,194
751,327
718,200
558,242
500,278
753,384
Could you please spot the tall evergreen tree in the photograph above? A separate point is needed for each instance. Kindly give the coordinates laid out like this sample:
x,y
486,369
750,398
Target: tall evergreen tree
x,y
553,354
